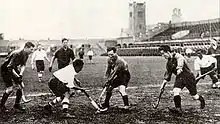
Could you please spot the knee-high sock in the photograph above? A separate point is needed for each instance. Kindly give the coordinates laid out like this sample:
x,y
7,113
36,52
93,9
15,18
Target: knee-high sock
x,y
107,98
18,96
125,99
4,98
177,101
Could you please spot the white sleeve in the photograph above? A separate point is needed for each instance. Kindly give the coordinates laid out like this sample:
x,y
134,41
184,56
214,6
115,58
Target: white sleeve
x,y
213,59
33,57
196,65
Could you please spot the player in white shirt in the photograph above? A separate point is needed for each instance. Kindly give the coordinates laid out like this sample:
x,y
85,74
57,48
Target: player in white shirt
x,y
62,85
38,58
90,55
204,64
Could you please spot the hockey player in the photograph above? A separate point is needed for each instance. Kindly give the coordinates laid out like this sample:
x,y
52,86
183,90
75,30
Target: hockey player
x,y
176,64
118,75
10,73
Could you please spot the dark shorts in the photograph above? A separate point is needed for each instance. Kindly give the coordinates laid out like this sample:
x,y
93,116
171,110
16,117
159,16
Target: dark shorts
x,y
90,57
81,56
207,69
57,87
122,79
218,63
40,65
186,80
8,76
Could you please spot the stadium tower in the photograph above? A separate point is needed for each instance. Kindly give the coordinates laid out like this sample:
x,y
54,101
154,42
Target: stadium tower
x,y
137,20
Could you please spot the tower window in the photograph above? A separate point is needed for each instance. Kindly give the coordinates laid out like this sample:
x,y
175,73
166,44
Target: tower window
x,y
130,14
140,26
140,14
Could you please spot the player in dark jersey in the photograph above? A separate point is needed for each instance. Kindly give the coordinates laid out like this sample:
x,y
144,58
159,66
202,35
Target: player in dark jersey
x,y
176,64
214,50
118,75
63,55
10,73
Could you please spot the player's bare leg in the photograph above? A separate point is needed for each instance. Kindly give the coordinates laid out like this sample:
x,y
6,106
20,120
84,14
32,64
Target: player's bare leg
x,y
65,105
122,90
177,100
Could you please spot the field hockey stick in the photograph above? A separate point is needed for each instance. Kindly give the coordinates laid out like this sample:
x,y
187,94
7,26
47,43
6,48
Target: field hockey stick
x,y
102,93
104,90
87,95
91,100
198,78
159,97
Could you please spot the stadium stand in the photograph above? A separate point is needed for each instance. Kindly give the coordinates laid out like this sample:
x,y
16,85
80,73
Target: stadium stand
x,y
180,36
196,30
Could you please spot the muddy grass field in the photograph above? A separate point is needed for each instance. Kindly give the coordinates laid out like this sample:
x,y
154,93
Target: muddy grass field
x,y
146,77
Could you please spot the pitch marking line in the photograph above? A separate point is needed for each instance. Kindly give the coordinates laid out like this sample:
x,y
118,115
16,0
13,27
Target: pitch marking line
x,y
99,89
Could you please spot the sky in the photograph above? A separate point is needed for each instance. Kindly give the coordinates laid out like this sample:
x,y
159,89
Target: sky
x,y
54,19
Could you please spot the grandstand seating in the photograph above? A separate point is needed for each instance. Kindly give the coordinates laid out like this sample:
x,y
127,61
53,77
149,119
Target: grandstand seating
x,y
201,29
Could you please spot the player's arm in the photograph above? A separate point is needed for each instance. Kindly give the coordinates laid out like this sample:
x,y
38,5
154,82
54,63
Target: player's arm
x,y
180,63
11,65
22,69
51,63
108,71
197,67
77,82
72,55
45,56
32,60
214,62
167,75
112,76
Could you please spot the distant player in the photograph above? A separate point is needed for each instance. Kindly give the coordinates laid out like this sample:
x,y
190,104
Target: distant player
x,y
63,55
81,53
204,64
62,84
10,73
176,64
118,75
90,54
38,58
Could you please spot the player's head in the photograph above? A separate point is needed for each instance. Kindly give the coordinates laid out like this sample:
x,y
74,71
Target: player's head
x,y
165,51
111,51
78,65
213,43
199,53
29,47
65,42
39,46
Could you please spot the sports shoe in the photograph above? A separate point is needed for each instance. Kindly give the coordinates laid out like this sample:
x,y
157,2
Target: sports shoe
x,y
177,111
104,106
101,110
126,107
66,114
214,86
48,109
19,108
40,80
202,102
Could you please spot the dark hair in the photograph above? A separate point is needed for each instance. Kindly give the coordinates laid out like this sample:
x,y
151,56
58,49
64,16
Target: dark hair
x,y
201,51
29,44
111,48
78,62
64,39
165,48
